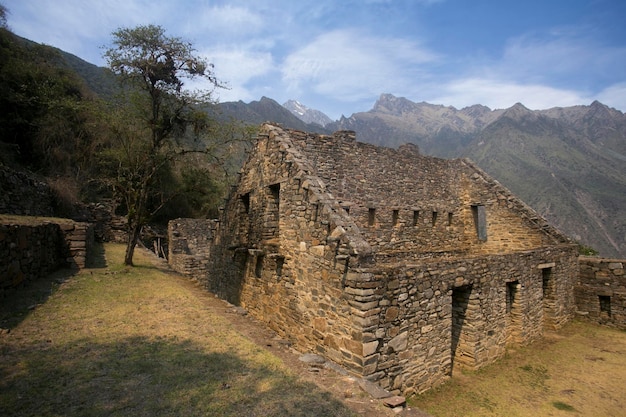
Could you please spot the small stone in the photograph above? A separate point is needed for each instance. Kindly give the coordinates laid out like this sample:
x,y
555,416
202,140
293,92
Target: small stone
x,y
395,401
312,358
374,390
240,310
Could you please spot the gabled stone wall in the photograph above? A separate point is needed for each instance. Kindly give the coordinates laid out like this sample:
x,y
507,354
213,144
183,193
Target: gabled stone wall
x,y
398,301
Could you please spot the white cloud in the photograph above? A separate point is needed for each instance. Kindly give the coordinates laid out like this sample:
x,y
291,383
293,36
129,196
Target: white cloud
x,y
502,94
351,65
237,68
563,53
614,96
226,21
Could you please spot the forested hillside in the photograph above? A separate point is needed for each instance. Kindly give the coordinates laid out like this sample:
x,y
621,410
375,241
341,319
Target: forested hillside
x,y
60,120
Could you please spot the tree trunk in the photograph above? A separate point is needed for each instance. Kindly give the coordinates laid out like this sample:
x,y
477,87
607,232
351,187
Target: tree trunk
x,y
133,237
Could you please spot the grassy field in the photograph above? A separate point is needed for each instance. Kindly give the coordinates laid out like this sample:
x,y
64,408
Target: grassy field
x,y
578,371
118,341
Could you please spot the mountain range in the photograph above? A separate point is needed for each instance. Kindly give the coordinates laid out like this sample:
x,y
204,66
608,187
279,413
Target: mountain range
x,y
567,163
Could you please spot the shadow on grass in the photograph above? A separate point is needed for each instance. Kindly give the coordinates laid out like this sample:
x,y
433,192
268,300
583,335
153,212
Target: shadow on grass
x,y
96,257
19,301
146,377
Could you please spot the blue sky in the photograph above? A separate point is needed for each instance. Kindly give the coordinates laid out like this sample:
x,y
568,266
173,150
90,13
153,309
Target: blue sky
x,y
338,56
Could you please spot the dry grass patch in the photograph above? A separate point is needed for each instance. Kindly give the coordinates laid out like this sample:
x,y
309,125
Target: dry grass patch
x,y
578,371
118,341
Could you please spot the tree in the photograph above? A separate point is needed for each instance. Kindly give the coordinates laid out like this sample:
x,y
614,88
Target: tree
x,y
160,120
3,16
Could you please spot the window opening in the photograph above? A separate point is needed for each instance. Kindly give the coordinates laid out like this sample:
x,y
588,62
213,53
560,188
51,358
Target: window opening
x,y
434,217
280,261
416,217
245,200
605,304
258,267
371,216
547,293
275,191
449,219
480,221
546,282
511,292
394,217
272,213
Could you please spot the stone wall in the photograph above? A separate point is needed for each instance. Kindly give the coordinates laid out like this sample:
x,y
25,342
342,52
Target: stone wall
x,y
189,245
24,195
422,321
601,291
397,266
31,248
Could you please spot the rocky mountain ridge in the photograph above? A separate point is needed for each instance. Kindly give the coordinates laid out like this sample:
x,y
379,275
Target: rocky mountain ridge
x,y
307,114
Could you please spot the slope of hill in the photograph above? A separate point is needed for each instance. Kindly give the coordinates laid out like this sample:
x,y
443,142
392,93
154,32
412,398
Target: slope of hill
x,y
266,109
566,163
577,185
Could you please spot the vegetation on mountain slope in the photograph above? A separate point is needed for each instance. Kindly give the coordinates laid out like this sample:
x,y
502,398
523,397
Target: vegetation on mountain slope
x,y
68,121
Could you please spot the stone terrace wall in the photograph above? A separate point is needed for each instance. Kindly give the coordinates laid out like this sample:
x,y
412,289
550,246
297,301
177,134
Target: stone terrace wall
x,y
30,249
22,194
601,290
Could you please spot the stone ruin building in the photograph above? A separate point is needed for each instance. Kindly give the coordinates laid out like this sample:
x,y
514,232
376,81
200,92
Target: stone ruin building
x,y
397,266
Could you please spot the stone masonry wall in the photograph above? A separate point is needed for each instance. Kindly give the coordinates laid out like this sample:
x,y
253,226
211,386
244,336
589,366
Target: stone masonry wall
x,y
601,290
189,246
421,320
400,303
31,248
24,195
407,204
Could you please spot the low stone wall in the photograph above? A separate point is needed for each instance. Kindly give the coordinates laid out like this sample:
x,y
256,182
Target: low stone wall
x,y
189,245
601,291
31,248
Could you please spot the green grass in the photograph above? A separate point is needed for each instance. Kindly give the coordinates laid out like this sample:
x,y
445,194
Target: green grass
x,y
118,341
578,370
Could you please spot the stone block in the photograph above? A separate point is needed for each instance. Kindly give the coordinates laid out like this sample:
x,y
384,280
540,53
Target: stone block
x,y
400,342
392,313
370,348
